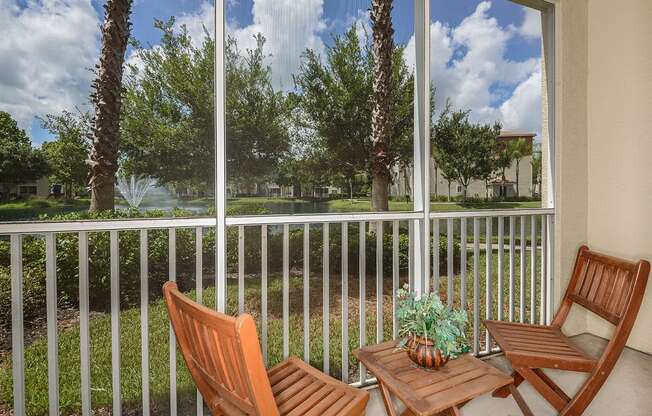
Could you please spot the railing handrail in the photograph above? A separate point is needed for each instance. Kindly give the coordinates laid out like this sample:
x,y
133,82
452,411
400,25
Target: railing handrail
x,y
39,227
492,213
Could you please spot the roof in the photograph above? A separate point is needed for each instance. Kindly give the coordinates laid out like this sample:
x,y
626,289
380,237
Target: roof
x,y
514,133
499,181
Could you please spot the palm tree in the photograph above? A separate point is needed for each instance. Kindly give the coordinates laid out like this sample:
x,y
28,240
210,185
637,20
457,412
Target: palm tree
x,y
536,173
106,98
518,149
383,46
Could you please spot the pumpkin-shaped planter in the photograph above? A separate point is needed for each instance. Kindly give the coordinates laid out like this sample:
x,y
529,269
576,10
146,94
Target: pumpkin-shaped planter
x,y
430,332
423,353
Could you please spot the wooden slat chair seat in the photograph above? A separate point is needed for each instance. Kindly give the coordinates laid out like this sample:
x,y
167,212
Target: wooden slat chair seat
x,y
548,346
610,287
224,358
300,389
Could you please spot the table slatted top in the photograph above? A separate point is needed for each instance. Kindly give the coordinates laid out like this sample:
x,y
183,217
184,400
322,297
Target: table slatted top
x,y
429,392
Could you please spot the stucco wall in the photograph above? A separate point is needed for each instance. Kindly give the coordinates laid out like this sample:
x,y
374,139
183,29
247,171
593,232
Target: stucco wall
x,y
571,147
620,141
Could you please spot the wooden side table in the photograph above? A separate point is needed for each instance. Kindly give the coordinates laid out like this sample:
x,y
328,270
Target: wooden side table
x,y
429,392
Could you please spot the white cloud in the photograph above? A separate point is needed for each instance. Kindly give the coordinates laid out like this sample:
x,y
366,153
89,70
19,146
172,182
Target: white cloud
x,y
198,23
522,111
289,27
468,65
46,50
531,26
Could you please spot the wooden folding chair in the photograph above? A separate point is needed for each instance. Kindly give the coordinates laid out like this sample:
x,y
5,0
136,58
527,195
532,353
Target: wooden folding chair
x,y
610,287
225,361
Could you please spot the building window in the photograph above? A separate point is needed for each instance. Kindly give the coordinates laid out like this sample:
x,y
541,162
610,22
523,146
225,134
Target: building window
x,y
459,189
27,190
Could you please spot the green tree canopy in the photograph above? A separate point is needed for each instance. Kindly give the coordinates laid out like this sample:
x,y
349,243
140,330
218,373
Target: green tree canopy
x,y
335,103
257,136
168,110
168,117
19,161
463,150
67,154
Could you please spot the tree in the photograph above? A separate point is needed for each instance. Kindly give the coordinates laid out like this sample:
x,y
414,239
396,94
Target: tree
x,y
503,160
334,105
169,113
463,150
106,99
381,120
67,154
519,149
19,161
536,173
256,115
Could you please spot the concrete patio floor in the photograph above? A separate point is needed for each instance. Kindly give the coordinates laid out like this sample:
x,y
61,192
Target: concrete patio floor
x,y
627,392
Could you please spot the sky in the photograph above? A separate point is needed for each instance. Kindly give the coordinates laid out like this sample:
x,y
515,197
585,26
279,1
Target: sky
x,y
485,55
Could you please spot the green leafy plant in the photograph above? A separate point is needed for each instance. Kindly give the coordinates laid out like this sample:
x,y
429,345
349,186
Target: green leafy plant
x,y
427,317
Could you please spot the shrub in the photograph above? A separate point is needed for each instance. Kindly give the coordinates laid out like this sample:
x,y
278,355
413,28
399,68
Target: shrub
x,y
158,259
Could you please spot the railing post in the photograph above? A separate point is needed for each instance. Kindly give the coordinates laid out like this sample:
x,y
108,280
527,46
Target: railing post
x,y
421,146
263,284
17,331
345,302
53,339
115,321
84,326
550,306
172,270
325,300
144,320
306,292
286,291
220,159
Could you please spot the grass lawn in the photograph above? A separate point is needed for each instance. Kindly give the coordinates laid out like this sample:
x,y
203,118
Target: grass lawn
x,y
364,205
346,205
33,208
69,359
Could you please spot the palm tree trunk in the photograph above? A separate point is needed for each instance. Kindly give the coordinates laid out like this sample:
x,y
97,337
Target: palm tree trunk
x,y
517,174
106,98
383,46
436,180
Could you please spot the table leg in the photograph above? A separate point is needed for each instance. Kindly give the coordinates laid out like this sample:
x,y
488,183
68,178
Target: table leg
x,y
520,401
387,399
454,411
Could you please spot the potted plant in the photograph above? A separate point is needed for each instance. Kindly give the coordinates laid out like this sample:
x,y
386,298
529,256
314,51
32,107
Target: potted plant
x,y
430,331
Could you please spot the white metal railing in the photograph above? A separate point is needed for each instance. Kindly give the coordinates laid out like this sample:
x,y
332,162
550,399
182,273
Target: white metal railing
x,y
512,290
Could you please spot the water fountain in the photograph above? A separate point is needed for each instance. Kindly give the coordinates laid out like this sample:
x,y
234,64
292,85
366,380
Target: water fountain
x,y
134,188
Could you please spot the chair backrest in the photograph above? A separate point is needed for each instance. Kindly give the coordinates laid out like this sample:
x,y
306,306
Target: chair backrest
x,y
612,288
223,356
607,286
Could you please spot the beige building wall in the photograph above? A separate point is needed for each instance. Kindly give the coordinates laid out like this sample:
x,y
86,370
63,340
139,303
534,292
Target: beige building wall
x,y
571,146
603,155
478,189
620,141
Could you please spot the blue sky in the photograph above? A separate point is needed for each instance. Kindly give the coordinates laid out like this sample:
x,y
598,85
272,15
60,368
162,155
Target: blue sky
x,y
485,54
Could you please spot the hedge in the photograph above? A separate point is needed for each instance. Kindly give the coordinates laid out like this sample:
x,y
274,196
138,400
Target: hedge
x,y
129,259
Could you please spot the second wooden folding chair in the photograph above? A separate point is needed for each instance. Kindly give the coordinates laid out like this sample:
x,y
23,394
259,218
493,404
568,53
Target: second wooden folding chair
x,y
610,287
